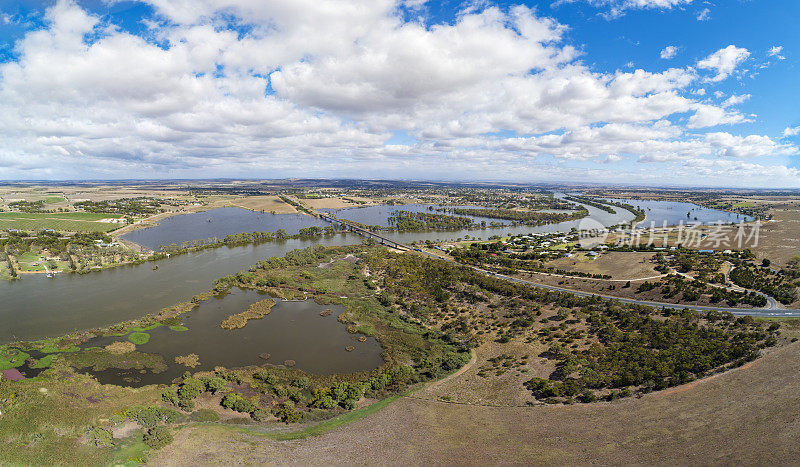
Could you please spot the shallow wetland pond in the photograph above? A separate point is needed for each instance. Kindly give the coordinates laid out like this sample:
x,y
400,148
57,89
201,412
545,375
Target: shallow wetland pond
x,y
294,330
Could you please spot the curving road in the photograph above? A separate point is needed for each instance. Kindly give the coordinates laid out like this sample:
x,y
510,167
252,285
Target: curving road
x,y
768,312
771,311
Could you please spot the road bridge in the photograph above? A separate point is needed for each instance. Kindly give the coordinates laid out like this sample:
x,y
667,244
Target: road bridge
x,y
771,311
364,232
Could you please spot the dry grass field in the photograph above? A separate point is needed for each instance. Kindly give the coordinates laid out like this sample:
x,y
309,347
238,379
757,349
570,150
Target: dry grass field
x,y
618,265
269,203
334,203
779,239
749,415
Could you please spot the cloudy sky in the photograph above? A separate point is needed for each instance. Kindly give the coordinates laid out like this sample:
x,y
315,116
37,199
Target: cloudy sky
x,y
660,92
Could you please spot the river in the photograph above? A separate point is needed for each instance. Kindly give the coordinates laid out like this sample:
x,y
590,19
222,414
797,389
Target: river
x,y
37,307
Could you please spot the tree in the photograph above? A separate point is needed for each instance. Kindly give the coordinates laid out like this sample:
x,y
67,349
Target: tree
x,y
158,437
191,388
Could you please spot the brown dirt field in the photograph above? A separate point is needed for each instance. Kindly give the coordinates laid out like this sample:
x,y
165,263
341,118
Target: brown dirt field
x,y
618,265
779,240
749,415
333,203
264,203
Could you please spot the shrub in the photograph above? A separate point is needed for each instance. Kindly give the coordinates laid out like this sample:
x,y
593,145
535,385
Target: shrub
x,y
235,401
170,395
287,413
186,404
191,389
280,391
340,391
149,417
349,404
100,436
301,382
326,402
260,415
216,384
158,437
265,376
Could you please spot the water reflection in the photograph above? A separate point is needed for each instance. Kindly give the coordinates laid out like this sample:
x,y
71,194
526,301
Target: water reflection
x,y
292,331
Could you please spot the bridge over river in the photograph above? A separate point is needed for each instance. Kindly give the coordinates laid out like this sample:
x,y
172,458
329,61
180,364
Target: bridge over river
x,y
769,312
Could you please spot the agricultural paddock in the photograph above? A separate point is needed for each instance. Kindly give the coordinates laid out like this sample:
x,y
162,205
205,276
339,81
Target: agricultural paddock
x,y
264,203
618,265
60,221
778,239
334,203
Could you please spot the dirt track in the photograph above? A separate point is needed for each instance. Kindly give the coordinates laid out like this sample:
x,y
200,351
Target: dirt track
x,y
749,415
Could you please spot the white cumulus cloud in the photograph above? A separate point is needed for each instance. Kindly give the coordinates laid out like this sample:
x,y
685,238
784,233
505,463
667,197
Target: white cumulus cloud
x,y
669,52
724,61
317,87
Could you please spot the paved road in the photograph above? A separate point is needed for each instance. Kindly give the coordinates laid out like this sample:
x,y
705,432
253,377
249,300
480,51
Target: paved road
x,y
771,311
768,312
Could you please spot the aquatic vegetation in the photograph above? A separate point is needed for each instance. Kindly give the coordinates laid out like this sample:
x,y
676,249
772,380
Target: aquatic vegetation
x,y
119,348
192,360
178,328
45,361
12,358
99,360
139,338
257,310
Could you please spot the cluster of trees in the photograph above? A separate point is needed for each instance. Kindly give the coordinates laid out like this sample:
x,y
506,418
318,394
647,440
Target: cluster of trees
x,y
779,285
18,243
126,206
405,221
637,352
706,266
693,290
245,238
299,206
522,217
28,206
623,348
183,396
631,346
11,270
289,400
80,251
591,202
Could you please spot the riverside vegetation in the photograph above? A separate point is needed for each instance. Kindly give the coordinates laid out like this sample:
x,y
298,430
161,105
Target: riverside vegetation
x,y
426,313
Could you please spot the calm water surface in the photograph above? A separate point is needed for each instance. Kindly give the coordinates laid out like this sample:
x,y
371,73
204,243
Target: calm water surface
x,y
673,213
292,331
37,307
218,223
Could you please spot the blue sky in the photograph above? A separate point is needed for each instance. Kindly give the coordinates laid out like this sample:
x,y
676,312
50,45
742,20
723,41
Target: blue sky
x,y
647,92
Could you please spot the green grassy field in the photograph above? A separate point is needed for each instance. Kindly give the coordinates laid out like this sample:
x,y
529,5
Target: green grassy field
x,y
61,221
5,273
28,257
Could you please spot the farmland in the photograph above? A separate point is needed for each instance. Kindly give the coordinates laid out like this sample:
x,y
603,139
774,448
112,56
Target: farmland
x,y
61,221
